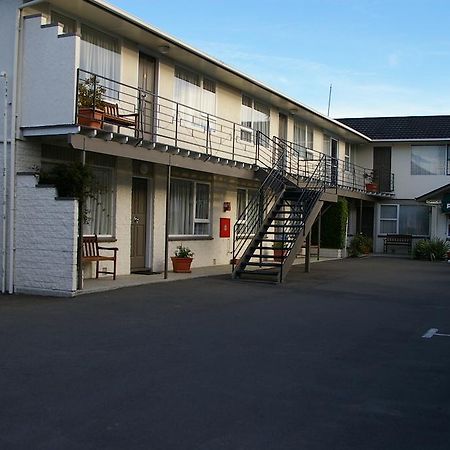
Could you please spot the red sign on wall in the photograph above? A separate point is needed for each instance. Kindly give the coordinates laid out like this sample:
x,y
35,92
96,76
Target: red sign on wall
x,y
225,225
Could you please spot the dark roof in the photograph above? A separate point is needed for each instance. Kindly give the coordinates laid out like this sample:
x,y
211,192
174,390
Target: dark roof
x,y
413,127
434,194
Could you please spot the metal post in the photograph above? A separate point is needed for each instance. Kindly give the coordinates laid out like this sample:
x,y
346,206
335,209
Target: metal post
x,y
80,232
257,147
308,254
5,152
95,93
319,237
207,133
176,125
76,98
166,237
234,139
360,215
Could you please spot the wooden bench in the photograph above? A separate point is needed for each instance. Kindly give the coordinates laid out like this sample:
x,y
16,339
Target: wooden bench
x,y
111,115
403,240
91,253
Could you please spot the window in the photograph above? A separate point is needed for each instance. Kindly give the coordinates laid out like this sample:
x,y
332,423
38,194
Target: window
x,y
255,116
429,160
189,208
326,145
243,216
405,219
100,54
99,207
197,96
303,140
349,156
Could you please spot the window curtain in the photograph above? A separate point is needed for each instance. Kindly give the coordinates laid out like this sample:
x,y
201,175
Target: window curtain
x,y
428,159
99,53
414,220
181,207
99,207
300,139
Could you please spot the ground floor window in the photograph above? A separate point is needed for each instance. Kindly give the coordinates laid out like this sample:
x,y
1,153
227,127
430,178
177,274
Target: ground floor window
x,y
405,219
189,208
98,214
245,216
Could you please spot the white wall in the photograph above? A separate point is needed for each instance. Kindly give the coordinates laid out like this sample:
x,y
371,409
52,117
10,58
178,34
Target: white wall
x,y
49,62
46,237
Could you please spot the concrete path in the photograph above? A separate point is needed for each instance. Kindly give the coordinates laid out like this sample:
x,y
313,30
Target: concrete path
x,y
333,359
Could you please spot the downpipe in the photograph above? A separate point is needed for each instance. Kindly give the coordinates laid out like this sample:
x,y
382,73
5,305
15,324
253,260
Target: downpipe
x,y
5,150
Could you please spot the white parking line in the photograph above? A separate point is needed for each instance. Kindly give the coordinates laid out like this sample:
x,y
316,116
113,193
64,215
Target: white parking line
x,y
434,332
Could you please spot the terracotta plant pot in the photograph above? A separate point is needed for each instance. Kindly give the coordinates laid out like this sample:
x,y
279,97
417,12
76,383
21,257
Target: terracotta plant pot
x,y
90,118
279,254
181,265
371,187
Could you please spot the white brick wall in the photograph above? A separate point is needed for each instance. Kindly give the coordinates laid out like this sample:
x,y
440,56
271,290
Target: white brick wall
x,y
46,236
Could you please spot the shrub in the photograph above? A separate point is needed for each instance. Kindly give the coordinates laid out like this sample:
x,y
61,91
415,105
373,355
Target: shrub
x,y
431,249
333,227
359,245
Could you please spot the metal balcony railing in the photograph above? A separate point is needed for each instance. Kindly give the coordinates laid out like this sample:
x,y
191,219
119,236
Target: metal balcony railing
x,y
152,119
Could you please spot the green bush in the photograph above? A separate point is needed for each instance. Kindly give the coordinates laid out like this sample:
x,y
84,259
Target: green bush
x,y
431,249
360,245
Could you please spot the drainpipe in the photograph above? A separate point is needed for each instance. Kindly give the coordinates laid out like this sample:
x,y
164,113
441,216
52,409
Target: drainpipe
x,y
5,150
12,163
168,218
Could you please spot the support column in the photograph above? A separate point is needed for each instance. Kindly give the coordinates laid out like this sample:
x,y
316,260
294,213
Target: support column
x,y
308,254
166,237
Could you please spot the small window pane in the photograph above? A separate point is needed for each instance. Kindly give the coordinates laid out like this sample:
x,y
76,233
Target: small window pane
x,y
428,159
388,212
201,229
414,220
388,226
202,202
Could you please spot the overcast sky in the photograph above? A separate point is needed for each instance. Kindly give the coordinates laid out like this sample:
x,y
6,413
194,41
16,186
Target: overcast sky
x,y
382,57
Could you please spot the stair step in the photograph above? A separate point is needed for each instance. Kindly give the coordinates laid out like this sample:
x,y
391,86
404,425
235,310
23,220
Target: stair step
x,y
264,264
268,277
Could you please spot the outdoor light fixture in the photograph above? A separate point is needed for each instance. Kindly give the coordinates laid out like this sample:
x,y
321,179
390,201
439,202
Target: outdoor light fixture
x,y
164,49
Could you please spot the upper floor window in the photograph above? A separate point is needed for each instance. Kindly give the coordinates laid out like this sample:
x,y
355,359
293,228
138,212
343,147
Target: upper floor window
x,y
195,91
303,140
255,116
100,54
349,156
243,215
430,160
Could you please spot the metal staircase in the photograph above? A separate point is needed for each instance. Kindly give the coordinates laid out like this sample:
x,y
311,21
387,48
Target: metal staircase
x,y
280,215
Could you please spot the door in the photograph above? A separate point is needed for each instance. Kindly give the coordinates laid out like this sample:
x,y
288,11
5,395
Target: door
x,y
382,168
334,162
138,223
282,134
146,84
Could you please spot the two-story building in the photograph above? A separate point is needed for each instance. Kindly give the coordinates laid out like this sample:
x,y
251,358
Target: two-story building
x,y
183,148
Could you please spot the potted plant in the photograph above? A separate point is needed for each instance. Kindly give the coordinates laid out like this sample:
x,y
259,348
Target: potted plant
x,y
90,102
360,245
279,251
371,184
182,260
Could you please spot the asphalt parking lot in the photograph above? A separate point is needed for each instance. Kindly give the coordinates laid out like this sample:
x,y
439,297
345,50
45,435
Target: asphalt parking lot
x,y
333,359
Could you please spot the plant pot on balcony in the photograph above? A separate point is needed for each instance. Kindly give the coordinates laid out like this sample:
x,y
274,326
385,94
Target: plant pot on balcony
x,y
89,117
372,187
181,265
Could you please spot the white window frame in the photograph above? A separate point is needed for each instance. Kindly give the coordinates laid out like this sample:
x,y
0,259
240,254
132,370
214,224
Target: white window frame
x,y
201,123
446,167
194,202
397,219
307,149
249,194
250,130
349,156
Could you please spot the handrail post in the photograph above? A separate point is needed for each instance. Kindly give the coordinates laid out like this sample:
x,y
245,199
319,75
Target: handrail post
x,y
77,96
257,147
207,133
234,140
176,125
95,92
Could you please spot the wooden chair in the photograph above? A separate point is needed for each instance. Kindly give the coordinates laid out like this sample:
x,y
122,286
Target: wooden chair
x,y
91,253
111,115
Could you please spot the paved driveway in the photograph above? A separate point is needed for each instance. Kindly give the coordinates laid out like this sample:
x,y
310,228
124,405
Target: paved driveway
x,y
333,359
